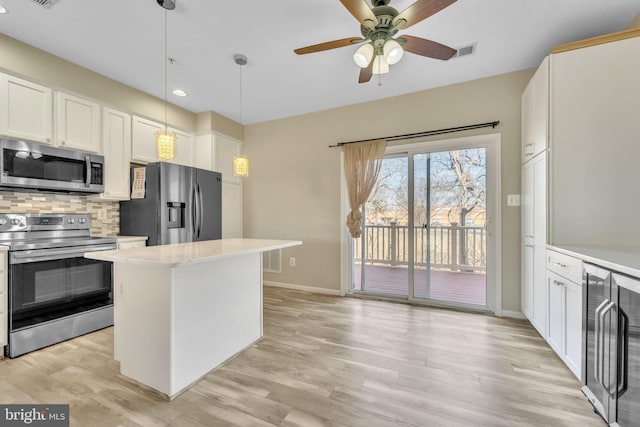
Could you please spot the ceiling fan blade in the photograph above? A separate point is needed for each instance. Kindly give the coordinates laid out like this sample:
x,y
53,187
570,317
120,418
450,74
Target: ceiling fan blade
x,y
366,73
420,10
329,45
426,48
361,11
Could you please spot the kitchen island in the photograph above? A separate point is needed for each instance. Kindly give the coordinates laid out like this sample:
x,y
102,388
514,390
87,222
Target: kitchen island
x,y
183,309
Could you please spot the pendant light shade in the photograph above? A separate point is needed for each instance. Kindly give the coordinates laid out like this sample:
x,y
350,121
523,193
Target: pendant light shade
x,y
241,166
363,55
393,51
166,142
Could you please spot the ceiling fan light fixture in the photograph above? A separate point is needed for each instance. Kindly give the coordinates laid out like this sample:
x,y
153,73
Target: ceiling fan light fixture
x,y
393,52
380,65
363,55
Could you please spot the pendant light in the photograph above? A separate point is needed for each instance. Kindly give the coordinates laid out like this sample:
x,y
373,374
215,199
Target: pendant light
x,y
166,141
241,162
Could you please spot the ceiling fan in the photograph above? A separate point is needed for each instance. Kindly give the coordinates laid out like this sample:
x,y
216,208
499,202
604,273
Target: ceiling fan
x,y
378,26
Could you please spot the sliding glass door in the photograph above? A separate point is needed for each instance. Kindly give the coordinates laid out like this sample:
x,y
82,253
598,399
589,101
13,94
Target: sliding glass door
x,y
424,237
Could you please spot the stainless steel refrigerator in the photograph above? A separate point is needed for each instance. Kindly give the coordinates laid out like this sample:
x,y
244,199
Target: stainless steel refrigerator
x,y
180,204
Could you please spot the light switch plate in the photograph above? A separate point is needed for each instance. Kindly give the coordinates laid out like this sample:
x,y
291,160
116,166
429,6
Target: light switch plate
x,y
513,200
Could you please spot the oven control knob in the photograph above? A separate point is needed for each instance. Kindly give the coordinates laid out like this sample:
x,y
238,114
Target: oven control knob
x,y
82,220
3,221
70,220
15,221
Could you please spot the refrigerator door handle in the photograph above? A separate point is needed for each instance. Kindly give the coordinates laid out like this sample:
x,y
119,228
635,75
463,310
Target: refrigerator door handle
x,y
623,358
200,210
598,343
193,212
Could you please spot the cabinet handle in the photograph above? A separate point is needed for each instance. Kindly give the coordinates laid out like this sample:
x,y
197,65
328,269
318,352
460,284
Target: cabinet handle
x,y
528,245
557,264
62,142
48,139
558,283
529,144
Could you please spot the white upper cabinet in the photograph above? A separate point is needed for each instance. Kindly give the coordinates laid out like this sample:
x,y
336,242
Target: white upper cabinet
x,y
184,147
225,149
78,123
143,140
116,139
26,110
535,113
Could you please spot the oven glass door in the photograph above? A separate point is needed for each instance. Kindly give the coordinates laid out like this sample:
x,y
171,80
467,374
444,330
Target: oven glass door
x,y
46,290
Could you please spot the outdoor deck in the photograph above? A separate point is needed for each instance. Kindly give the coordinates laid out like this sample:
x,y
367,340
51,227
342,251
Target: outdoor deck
x,y
467,288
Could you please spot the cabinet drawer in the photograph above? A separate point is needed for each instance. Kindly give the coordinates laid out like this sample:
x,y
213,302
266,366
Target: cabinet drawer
x,y
129,245
565,265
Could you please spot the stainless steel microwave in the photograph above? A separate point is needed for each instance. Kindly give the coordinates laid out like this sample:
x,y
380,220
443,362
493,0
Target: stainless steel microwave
x,y
27,166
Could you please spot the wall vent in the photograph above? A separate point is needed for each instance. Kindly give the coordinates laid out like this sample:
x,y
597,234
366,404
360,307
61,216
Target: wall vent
x,y
47,4
466,50
272,261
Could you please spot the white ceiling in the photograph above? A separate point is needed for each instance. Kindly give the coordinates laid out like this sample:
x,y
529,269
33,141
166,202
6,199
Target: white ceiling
x,y
124,40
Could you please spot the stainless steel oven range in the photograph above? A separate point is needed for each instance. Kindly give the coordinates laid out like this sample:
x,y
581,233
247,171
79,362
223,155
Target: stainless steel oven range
x,y
54,292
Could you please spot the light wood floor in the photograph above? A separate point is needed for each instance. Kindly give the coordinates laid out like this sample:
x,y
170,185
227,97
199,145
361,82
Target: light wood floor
x,y
328,361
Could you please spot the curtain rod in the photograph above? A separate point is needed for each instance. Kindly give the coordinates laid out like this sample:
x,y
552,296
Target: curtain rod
x,y
425,133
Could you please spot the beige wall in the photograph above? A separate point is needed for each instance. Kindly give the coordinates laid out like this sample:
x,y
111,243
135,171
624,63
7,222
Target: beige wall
x,y
33,64
293,191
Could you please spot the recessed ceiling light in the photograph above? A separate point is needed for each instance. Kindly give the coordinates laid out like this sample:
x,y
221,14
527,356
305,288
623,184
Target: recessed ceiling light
x,y
3,9
179,92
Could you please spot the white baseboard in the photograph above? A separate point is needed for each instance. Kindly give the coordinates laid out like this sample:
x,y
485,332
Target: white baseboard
x,y
513,314
296,287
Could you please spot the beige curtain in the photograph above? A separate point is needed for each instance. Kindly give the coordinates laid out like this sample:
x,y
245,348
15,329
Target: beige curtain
x,y
361,168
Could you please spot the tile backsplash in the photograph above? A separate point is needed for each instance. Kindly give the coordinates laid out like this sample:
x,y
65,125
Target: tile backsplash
x,y
105,215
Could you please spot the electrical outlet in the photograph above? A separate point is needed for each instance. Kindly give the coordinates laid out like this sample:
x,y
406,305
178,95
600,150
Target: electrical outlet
x,y
292,262
513,200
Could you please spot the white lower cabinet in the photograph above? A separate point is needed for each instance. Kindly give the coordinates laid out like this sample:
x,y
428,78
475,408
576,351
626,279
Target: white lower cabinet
x,y
564,312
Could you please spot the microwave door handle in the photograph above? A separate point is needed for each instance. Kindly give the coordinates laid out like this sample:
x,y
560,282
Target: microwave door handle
x,y
623,349
87,180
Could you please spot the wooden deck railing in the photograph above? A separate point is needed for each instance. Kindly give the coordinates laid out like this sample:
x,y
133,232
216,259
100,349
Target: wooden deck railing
x,y
450,247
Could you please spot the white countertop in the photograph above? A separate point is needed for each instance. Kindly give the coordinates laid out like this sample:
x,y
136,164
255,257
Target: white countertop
x,y
190,253
122,239
623,260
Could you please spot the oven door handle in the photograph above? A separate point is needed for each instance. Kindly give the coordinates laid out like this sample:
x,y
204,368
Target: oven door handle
x,y
37,255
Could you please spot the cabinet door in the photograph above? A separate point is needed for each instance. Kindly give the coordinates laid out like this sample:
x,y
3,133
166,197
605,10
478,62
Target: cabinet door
x,y
117,154
527,122
26,110
556,326
225,150
573,329
527,280
539,214
143,140
540,90
78,123
527,200
184,148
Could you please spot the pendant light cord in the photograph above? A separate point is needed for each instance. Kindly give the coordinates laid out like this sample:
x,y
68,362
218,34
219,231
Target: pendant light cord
x,y
166,68
240,66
